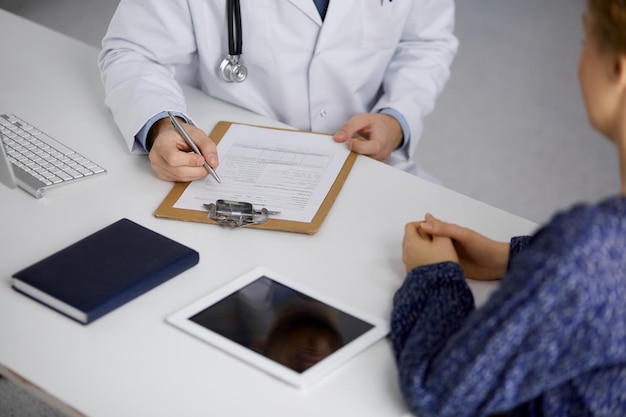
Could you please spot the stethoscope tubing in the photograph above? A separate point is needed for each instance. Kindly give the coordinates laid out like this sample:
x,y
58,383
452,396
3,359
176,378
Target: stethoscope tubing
x,y
230,69
234,27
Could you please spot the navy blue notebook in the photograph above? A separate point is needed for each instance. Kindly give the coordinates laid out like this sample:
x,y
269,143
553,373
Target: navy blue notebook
x,y
104,270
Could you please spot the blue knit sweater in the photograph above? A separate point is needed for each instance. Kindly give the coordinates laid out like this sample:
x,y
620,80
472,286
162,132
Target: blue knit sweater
x,y
550,341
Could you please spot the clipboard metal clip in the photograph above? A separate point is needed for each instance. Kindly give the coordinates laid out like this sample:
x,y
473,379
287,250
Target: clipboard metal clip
x,y
237,213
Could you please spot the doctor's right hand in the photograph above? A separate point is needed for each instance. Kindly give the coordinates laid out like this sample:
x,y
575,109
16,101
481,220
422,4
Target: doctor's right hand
x,y
172,159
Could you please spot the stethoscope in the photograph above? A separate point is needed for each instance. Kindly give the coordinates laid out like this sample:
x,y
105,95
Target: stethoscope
x,y
230,68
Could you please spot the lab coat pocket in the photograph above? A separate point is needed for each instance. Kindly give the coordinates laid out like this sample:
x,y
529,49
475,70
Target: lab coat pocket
x,y
379,31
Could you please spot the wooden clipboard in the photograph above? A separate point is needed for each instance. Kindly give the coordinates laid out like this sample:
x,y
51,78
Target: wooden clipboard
x,y
167,210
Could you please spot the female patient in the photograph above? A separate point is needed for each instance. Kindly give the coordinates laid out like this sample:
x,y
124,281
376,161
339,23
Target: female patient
x,y
551,341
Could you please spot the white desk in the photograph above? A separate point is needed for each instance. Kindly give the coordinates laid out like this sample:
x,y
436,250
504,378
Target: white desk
x,y
130,362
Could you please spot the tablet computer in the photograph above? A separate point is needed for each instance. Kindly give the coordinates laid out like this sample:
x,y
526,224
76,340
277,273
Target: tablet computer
x,y
279,326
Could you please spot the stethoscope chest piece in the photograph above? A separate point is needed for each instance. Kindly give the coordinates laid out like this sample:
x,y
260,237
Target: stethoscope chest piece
x,y
231,70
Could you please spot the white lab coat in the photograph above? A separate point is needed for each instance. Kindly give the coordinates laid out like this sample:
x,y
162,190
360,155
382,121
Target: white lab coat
x,y
367,55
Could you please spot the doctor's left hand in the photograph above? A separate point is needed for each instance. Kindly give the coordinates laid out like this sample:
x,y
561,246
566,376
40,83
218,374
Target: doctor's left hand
x,y
382,132
172,159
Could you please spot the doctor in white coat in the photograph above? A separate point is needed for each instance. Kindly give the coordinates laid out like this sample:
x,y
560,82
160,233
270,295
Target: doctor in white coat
x,y
368,67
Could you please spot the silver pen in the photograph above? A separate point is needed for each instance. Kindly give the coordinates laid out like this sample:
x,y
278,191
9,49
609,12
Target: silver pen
x,y
192,145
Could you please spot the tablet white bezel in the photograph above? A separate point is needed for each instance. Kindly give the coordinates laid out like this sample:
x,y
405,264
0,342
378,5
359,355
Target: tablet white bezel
x,y
181,319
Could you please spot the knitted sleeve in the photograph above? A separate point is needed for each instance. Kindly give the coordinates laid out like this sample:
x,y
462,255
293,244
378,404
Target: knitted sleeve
x,y
518,244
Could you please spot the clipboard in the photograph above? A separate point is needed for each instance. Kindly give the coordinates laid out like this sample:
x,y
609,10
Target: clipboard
x,y
166,209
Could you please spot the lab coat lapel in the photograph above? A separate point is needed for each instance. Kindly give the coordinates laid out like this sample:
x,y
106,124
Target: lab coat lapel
x,y
337,9
335,15
308,7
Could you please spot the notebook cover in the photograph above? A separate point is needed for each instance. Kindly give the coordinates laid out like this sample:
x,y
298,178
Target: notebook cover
x,y
105,270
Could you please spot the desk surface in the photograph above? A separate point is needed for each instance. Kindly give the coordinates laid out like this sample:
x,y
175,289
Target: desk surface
x,y
131,362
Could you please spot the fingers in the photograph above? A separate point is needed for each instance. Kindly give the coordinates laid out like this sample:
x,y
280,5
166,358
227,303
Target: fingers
x,y
371,148
411,244
350,128
208,149
418,229
410,233
382,134
172,160
178,166
437,227
347,133
420,248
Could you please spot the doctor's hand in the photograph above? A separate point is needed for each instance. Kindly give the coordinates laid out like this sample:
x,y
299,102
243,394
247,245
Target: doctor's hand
x,y
420,248
172,159
480,257
382,132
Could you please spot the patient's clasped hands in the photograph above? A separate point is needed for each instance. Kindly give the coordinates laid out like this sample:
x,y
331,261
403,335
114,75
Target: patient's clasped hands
x,y
433,241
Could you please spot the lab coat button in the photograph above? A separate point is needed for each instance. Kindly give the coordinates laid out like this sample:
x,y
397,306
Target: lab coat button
x,y
323,113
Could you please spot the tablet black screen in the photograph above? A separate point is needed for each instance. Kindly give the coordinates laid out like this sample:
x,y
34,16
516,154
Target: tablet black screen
x,y
281,323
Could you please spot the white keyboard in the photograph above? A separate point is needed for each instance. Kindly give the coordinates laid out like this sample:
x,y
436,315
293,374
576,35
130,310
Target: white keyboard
x,y
39,161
